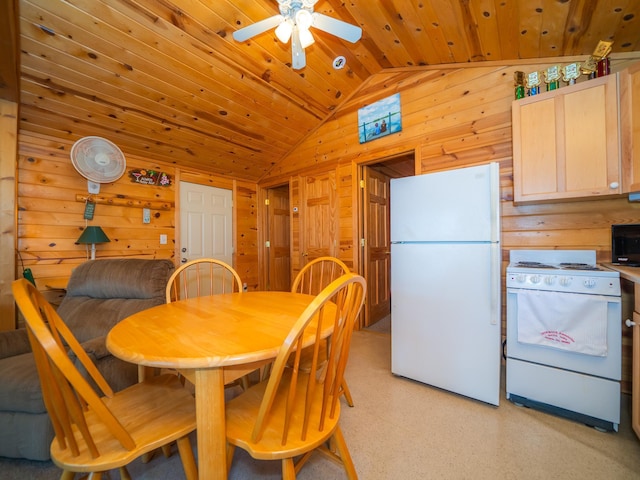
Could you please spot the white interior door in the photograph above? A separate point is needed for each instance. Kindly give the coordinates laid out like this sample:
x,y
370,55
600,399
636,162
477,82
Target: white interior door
x,y
206,223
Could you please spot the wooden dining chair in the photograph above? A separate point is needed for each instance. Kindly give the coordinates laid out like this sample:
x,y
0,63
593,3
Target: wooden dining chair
x,y
94,433
315,276
204,276
296,411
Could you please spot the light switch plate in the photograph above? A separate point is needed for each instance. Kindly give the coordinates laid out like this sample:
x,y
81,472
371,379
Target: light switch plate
x,y
146,215
163,239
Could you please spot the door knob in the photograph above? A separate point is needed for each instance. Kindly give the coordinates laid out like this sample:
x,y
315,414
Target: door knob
x,y
184,260
614,185
184,250
305,254
630,323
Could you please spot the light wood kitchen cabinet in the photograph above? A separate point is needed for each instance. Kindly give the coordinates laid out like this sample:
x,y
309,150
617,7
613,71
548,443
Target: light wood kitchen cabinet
x,y
635,364
630,324
630,127
566,142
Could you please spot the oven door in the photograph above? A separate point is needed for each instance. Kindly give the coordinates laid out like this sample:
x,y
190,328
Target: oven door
x,y
607,366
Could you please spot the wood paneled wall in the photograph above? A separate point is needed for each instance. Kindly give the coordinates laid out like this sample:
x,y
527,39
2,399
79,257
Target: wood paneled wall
x,y
452,117
458,117
50,217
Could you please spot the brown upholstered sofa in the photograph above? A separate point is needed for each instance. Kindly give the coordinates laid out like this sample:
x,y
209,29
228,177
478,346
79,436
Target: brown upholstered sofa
x,y
100,293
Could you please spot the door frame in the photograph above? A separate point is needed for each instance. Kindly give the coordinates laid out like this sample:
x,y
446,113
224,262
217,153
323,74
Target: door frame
x,y
360,210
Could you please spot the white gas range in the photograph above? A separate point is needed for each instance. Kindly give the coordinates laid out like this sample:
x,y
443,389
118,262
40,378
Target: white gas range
x,y
564,335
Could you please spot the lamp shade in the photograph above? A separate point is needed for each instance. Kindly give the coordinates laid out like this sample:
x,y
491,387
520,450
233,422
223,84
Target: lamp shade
x,y
93,235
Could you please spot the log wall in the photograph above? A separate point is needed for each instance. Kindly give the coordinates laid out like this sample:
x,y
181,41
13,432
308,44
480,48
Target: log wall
x,y
457,117
50,213
452,117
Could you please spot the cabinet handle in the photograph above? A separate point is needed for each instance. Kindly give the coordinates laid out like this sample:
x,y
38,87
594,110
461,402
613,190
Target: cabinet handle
x,y
614,185
630,323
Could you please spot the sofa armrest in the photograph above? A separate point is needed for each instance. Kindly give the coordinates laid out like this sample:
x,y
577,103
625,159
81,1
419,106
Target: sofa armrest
x,y
14,342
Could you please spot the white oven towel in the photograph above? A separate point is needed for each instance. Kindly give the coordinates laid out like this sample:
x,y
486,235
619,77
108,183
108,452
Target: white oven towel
x,y
572,322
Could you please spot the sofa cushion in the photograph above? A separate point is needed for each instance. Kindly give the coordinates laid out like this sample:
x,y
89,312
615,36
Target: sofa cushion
x,y
20,391
120,278
25,435
14,342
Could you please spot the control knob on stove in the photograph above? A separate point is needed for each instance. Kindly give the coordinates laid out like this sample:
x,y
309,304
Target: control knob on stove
x,y
565,281
520,277
589,282
535,279
549,280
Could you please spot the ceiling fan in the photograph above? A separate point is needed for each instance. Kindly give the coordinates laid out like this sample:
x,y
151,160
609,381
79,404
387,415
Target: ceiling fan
x,y
293,22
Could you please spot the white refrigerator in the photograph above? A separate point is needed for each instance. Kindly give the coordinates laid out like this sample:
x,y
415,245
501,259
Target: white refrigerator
x,y
445,280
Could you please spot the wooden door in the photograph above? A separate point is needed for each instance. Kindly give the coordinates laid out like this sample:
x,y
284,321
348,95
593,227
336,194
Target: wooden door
x,y
377,248
319,219
278,238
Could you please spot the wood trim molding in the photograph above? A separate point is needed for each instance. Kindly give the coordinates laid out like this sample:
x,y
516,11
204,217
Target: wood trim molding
x,y
8,187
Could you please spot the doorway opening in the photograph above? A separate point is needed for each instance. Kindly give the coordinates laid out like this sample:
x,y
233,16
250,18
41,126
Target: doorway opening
x,y
375,239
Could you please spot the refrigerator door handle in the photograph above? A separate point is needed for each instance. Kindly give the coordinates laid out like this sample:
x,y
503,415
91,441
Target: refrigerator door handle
x,y
495,283
495,201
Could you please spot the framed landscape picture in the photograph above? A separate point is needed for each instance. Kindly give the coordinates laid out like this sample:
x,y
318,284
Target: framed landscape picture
x,y
379,119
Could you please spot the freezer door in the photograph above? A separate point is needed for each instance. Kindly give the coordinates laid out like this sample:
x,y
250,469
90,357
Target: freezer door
x,y
455,205
445,317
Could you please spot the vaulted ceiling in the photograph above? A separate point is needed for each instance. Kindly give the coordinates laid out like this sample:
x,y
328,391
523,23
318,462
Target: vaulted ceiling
x,y
166,79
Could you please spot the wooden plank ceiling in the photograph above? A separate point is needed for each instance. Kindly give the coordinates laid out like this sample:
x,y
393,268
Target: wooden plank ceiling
x,y
165,79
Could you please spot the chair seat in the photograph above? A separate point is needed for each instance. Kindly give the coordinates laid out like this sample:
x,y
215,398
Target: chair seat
x,y
243,410
167,414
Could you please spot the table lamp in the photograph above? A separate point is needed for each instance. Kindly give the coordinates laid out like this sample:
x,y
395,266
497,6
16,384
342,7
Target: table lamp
x,y
93,235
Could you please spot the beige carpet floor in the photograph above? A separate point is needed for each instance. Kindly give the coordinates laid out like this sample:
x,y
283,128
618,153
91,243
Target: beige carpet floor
x,y
400,429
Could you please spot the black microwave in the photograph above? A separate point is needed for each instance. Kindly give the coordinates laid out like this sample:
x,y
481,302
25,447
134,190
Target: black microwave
x,y
625,244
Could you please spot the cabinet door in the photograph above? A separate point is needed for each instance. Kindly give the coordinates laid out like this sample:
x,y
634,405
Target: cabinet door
x,y
534,150
566,143
591,140
635,375
630,127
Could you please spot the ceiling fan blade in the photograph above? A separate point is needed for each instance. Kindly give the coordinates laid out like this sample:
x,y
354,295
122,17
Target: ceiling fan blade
x,y
336,27
298,57
257,28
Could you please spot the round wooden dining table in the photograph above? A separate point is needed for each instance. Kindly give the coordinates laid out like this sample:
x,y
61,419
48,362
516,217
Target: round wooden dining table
x,y
205,336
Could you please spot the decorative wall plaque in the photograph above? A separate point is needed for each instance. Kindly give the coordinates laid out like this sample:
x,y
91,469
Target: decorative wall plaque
x,y
150,177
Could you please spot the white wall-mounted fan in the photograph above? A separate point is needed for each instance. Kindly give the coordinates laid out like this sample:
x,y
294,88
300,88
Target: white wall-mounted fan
x,y
98,160
293,22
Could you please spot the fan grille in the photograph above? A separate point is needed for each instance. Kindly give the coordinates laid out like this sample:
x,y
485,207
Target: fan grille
x,y
98,159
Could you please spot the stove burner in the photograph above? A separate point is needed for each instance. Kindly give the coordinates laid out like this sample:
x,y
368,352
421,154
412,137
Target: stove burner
x,y
526,264
561,266
578,266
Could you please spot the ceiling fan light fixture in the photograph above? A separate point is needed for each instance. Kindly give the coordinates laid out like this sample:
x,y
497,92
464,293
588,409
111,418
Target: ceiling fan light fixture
x,y
306,38
283,31
303,19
